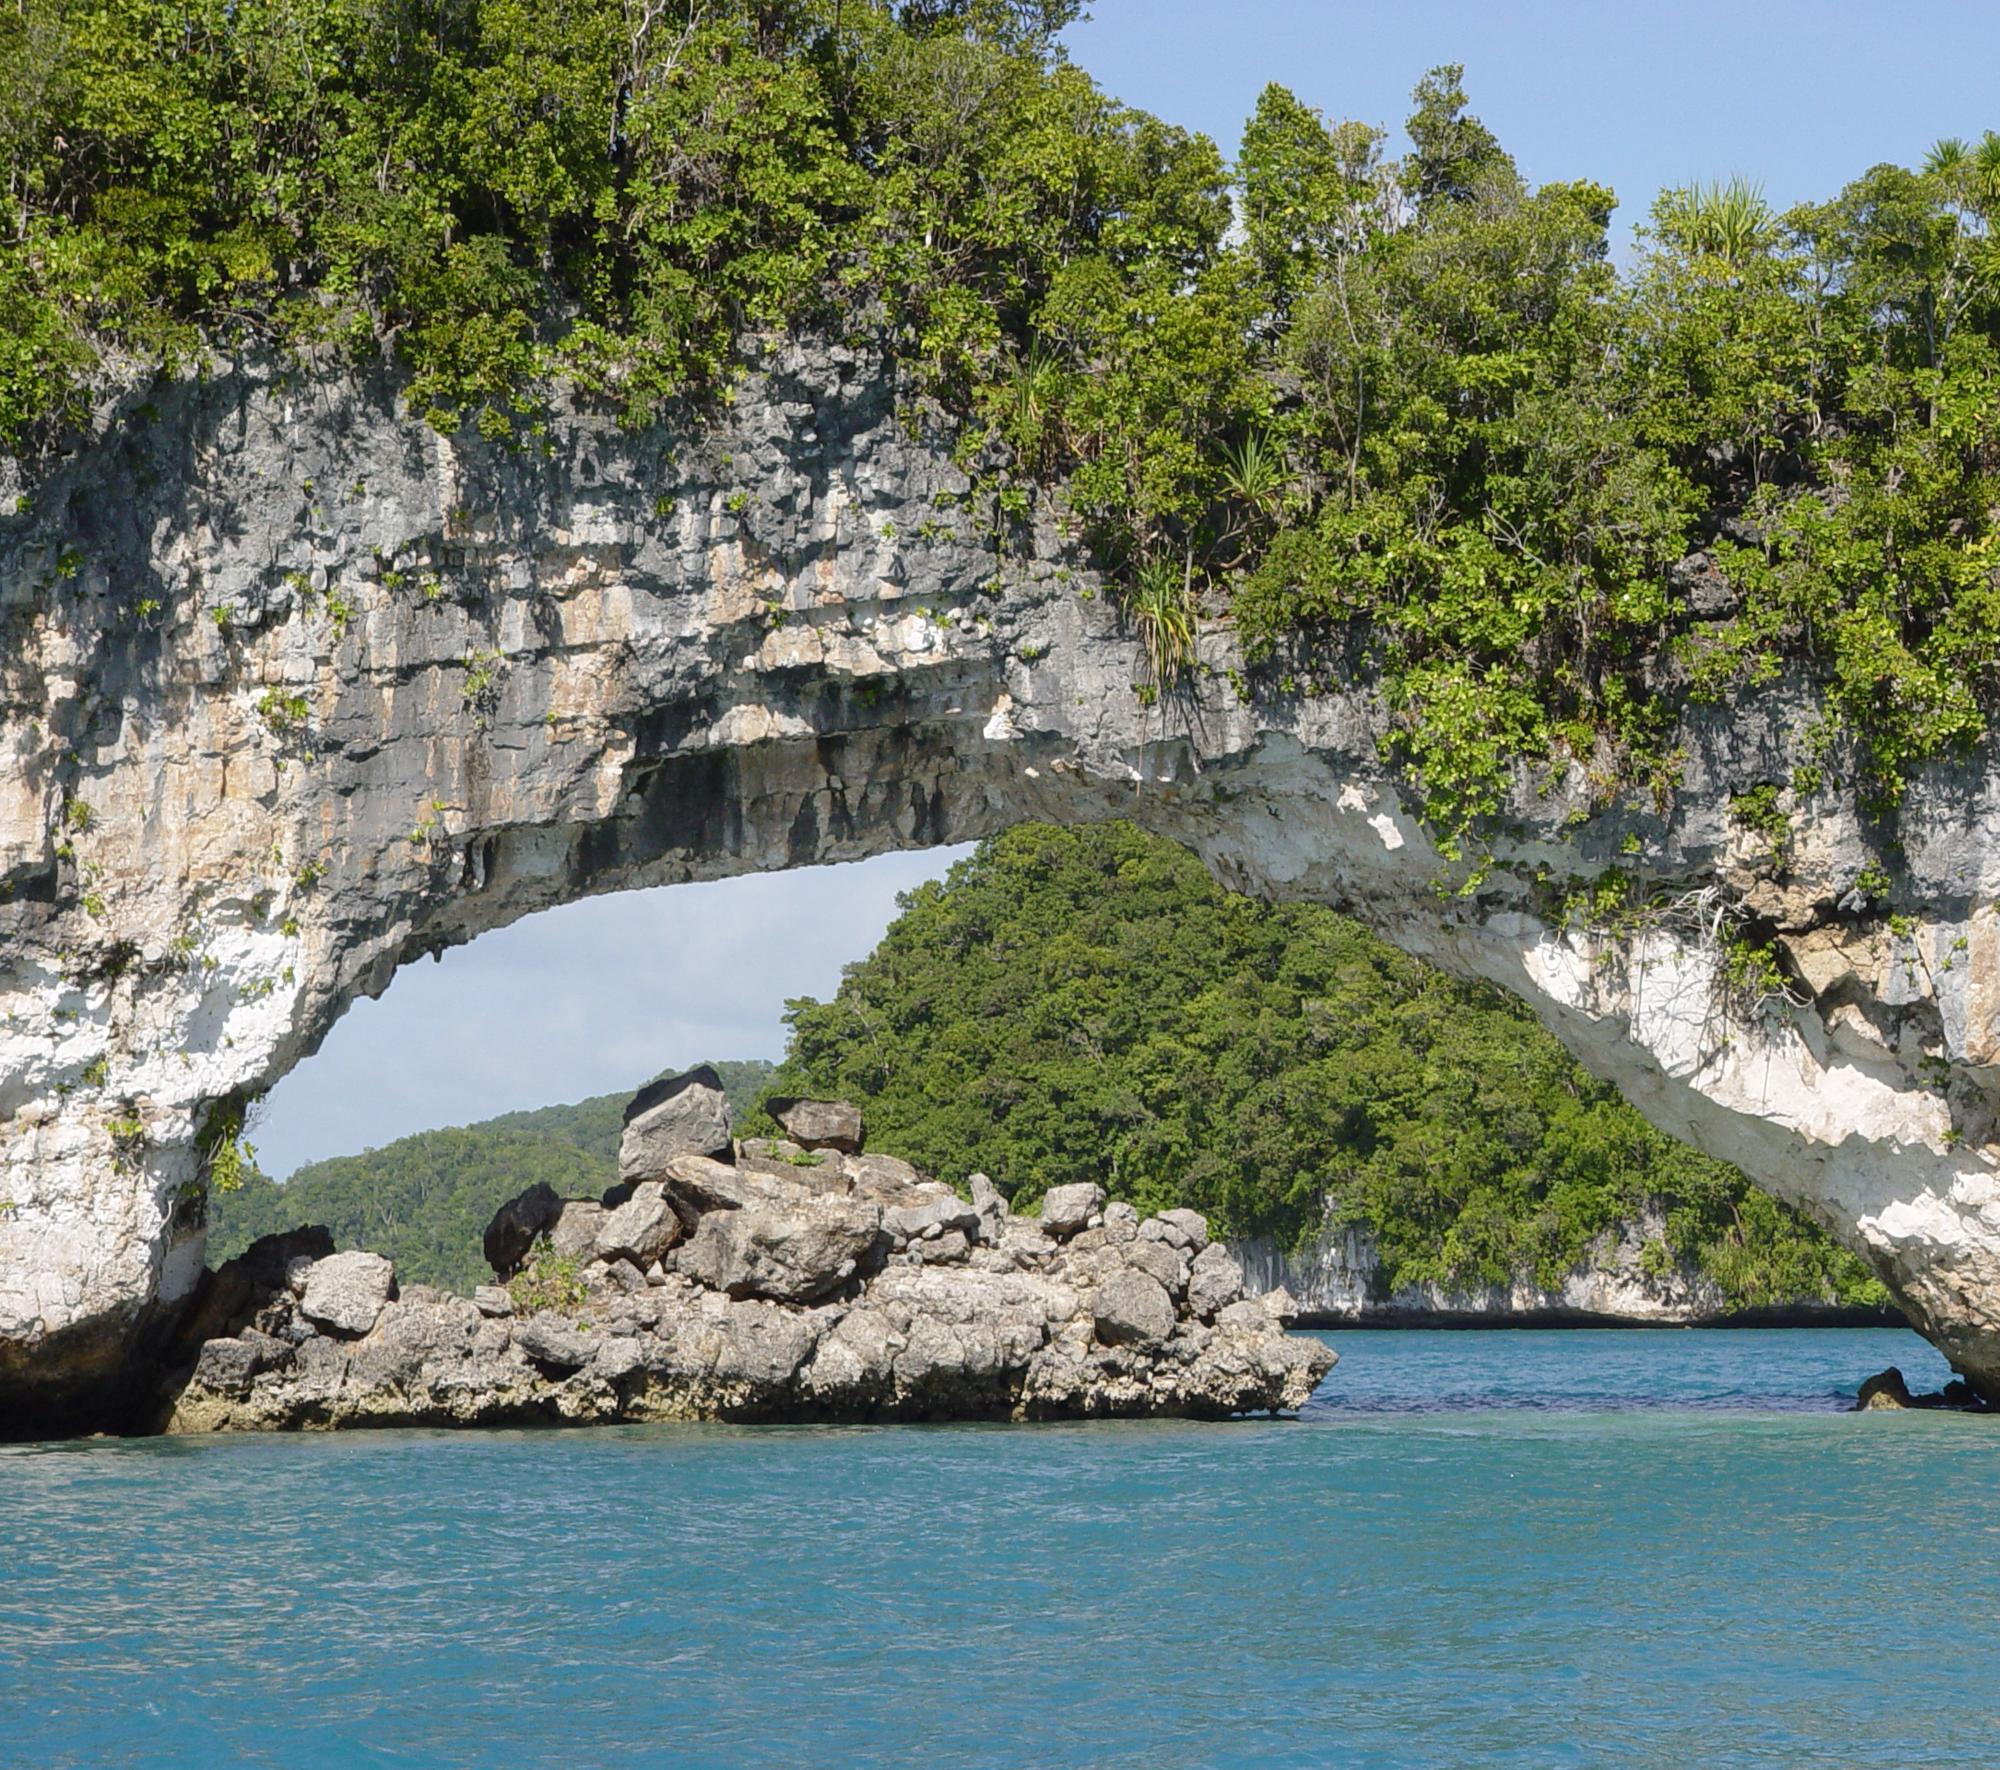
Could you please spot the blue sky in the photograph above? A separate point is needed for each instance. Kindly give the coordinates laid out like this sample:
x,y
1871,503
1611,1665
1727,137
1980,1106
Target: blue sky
x,y
1798,97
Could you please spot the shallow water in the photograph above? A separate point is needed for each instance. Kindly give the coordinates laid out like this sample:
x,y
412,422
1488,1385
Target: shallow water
x,y
1475,1548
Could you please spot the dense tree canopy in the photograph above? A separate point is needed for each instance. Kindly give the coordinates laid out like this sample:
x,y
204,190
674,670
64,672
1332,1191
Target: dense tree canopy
x,y
1087,1004
1410,404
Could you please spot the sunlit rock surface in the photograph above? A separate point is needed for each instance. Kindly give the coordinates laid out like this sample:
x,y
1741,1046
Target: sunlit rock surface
x,y
796,1284
296,691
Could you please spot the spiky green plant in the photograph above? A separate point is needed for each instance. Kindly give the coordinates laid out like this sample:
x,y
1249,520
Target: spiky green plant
x,y
1030,402
1728,221
1161,605
1253,472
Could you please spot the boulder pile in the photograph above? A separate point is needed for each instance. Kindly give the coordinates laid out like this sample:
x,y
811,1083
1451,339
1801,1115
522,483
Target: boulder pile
x,y
768,1279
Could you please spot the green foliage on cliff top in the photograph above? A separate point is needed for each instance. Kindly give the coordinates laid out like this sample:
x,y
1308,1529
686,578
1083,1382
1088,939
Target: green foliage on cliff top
x,y
1088,1004
1409,419
426,1200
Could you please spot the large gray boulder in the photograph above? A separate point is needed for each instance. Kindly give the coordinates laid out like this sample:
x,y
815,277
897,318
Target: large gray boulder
x,y
554,1340
696,1184
1133,1309
1191,1224
677,1115
517,1225
1159,1261
792,1164
1215,1282
931,1212
1067,1210
819,1124
991,1206
789,1254
574,1232
346,1292
640,1230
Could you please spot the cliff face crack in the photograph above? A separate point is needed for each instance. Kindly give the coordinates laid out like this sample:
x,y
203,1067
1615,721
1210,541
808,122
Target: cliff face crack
x,y
206,875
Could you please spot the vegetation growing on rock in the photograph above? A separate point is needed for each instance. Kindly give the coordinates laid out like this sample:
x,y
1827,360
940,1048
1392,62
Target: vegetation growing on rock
x,y
1409,418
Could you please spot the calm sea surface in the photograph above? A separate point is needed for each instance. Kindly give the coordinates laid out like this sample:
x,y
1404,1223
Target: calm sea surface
x,y
1476,1548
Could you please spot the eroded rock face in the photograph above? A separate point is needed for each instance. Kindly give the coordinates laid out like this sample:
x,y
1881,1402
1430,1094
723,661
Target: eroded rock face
x,y
294,691
820,1124
840,1293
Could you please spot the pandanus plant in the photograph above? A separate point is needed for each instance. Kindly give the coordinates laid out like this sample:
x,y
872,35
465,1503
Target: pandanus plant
x,y
1972,170
1160,602
1728,221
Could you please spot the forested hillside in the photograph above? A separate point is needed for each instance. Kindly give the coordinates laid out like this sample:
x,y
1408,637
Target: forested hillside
x,y
426,1200
1087,1004
1392,413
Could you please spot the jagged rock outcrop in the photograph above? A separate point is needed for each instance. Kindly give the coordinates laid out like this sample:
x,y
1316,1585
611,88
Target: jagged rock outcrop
x,y
294,690
1623,1276
822,1286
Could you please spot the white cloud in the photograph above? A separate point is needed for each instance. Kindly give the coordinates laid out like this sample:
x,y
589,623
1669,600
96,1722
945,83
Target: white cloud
x,y
583,1000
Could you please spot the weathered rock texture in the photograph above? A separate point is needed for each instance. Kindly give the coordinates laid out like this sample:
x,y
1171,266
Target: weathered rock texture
x,y
1337,1279
819,1286
295,691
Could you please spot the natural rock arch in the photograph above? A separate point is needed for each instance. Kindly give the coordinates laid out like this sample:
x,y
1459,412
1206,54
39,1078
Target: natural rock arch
x,y
296,691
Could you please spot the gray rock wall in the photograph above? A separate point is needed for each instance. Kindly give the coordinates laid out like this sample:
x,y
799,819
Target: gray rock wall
x,y
1336,1278
293,691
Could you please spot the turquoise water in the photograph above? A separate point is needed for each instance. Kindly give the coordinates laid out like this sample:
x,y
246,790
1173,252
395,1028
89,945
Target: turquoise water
x,y
1475,1548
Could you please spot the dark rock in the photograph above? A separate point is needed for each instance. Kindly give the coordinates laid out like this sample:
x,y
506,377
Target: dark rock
x,y
1700,583
226,1367
231,1295
517,1225
819,1124
1886,1390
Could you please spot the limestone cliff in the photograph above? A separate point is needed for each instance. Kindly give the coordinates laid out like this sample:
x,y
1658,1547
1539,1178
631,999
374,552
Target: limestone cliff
x,y
297,690
1336,1277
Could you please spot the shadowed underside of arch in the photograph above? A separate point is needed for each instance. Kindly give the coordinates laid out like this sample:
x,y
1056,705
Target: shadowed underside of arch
x,y
296,691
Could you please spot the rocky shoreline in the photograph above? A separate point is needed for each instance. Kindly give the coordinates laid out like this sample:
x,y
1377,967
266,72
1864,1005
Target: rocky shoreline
x,y
777,1280
1337,1280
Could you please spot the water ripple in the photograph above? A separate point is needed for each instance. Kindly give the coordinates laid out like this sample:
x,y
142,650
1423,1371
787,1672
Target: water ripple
x,y
1490,1548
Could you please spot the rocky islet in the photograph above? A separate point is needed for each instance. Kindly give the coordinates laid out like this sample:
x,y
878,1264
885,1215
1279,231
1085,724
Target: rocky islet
x,y
758,1280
